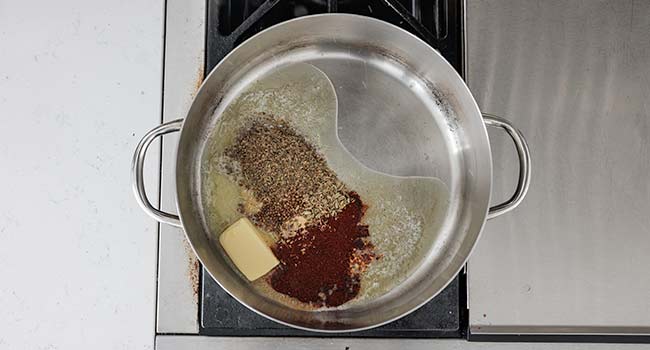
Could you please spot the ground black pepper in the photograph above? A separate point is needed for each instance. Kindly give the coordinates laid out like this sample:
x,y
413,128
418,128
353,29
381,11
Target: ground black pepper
x,y
285,174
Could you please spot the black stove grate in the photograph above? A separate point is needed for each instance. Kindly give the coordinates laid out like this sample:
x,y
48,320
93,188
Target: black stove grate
x,y
438,22
230,22
223,315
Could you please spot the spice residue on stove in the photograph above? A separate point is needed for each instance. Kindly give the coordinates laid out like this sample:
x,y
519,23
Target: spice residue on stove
x,y
290,191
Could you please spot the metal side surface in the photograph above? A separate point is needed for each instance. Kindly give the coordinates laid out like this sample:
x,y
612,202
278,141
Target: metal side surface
x,y
575,77
175,342
178,267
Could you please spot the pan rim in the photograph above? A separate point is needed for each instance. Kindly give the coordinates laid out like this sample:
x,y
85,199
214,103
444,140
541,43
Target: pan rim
x,y
482,214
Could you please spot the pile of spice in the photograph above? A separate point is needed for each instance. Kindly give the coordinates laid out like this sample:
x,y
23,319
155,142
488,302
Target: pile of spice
x,y
288,180
323,264
289,190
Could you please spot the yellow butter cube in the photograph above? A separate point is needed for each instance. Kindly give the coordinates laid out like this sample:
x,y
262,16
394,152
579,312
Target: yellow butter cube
x,y
246,248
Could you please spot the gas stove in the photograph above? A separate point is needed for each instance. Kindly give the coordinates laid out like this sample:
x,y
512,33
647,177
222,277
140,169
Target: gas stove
x,y
231,22
189,300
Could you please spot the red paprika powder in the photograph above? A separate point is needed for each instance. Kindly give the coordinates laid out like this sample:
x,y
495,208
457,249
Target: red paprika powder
x,y
323,264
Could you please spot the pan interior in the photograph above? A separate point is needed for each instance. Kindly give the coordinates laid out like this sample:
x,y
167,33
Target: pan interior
x,y
404,213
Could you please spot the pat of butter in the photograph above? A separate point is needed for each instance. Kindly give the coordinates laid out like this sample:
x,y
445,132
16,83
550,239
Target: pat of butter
x,y
246,248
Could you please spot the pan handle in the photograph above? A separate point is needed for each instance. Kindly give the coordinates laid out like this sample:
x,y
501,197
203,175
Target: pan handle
x,y
524,165
137,177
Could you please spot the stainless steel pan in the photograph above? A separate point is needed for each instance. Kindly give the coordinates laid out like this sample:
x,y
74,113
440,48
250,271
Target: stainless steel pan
x,y
424,121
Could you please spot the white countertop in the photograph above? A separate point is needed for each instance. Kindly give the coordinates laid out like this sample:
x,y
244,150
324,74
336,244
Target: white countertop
x,y
80,82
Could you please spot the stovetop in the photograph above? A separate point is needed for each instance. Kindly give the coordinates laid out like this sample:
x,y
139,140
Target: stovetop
x,y
437,22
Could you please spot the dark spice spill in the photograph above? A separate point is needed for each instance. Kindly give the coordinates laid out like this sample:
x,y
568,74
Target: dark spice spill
x,y
323,264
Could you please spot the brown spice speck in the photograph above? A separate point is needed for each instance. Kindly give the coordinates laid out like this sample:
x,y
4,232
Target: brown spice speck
x,y
193,267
